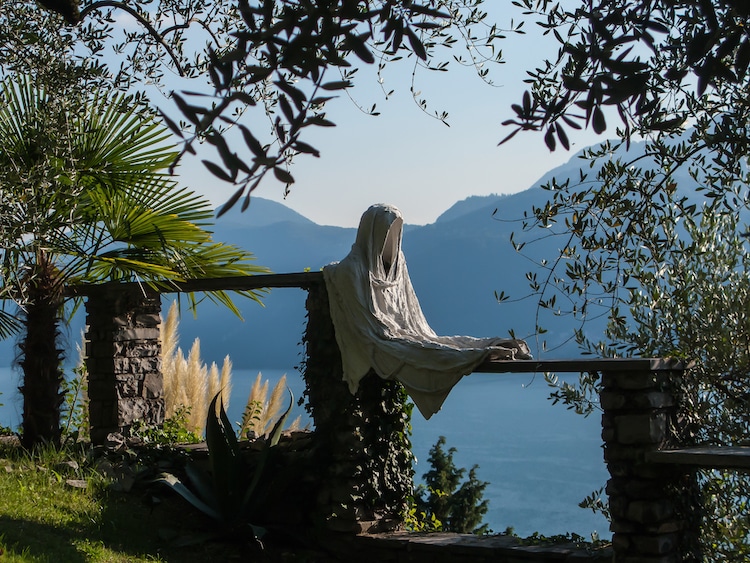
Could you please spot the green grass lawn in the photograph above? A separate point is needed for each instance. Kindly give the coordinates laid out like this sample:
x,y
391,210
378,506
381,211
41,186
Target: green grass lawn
x,y
45,516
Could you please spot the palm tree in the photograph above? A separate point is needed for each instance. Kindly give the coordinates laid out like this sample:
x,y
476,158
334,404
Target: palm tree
x,y
84,197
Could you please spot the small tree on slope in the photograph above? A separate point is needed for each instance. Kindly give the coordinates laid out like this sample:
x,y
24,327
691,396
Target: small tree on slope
x,y
458,506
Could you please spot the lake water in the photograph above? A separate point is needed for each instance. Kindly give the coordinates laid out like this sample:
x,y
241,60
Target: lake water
x,y
540,460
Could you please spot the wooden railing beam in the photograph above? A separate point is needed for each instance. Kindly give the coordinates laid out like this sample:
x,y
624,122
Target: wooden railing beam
x,y
578,365
302,280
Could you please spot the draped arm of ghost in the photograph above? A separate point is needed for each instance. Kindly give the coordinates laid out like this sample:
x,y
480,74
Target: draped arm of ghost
x,y
379,324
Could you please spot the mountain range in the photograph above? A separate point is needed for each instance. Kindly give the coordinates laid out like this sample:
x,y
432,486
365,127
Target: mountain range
x,y
457,264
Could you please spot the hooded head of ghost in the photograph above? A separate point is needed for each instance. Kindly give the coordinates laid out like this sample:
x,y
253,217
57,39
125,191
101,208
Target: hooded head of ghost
x,y
380,326
379,240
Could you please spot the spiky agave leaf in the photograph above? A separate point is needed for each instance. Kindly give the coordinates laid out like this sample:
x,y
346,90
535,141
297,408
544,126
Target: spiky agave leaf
x,y
179,487
251,497
225,461
278,428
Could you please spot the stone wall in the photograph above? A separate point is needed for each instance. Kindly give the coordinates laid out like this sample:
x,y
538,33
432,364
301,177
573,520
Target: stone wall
x,y
357,468
123,358
651,505
363,453
455,548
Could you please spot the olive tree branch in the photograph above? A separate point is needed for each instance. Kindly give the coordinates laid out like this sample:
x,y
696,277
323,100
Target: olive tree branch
x,y
143,21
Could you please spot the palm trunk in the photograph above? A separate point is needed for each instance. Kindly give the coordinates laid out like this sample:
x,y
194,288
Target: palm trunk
x,y
41,359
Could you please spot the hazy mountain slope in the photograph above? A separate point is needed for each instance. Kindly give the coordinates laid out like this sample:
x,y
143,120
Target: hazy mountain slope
x,y
260,213
270,334
456,265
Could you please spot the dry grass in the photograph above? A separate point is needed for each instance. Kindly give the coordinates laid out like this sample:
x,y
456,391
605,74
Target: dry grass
x,y
262,413
188,381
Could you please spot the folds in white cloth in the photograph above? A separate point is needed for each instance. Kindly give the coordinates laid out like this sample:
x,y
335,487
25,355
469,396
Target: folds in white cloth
x,y
379,324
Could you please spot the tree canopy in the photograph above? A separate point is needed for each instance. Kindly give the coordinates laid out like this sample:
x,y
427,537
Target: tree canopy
x,y
84,198
272,65
658,64
673,77
650,230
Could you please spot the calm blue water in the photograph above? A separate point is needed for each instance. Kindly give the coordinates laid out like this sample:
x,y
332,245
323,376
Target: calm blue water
x,y
540,460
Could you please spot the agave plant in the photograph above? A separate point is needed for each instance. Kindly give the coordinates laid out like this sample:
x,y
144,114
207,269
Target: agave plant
x,y
85,197
229,491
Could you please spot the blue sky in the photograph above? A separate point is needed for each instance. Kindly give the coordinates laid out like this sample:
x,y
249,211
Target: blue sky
x,y
408,159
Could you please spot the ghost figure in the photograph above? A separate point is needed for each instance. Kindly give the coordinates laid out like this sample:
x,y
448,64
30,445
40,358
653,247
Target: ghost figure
x,y
379,324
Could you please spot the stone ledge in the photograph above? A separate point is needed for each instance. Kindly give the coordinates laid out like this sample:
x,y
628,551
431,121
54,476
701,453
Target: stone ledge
x,y
713,457
625,367
441,547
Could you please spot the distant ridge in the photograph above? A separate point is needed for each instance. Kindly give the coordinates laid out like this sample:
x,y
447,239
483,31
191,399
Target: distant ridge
x,y
469,205
260,213
456,265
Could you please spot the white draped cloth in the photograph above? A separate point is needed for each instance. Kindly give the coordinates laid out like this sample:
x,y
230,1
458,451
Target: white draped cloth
x,y
379,323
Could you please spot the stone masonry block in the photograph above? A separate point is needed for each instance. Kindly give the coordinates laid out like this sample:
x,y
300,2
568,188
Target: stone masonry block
x,y
99,368
102,413
662,544
627,454
644,489
621,543
137,348
145,365
148,320
136,334
136,366
652,399
153,386
128,389
131,409
129,377
635,400
618,469
615,487
103,389
629,380
622,527
649,512
671,527
150,349
618,506
121,365
652,471
612,400
641,428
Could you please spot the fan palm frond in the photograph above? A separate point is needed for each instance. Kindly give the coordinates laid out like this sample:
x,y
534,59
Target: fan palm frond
x,y
84,198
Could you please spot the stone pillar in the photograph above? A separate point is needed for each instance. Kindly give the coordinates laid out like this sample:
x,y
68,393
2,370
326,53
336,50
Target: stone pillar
x,y
649,504
362,445
123,358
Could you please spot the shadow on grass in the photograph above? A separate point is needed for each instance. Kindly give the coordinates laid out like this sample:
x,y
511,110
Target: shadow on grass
x,y
126,530
43,542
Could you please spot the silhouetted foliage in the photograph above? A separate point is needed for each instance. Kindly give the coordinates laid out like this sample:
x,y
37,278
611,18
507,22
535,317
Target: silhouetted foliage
x,y
281,61
649,232
651,61
459,506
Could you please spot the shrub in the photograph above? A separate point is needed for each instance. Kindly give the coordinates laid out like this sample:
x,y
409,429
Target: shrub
x,y
445,502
